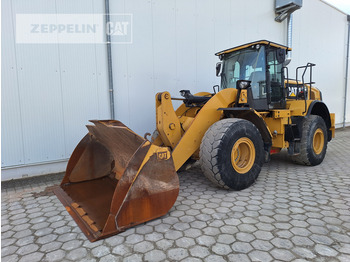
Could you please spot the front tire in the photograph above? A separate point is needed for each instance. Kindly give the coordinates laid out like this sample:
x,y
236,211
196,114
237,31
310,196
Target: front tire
x,y
231,153
313,143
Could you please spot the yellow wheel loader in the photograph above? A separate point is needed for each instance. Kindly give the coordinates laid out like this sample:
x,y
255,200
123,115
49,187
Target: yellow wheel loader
x,y
116,179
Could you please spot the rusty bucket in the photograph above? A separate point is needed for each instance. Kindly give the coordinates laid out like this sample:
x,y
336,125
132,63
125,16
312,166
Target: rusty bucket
x,y
116,179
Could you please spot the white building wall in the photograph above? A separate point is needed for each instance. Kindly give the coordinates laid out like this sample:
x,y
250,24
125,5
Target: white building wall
x,y
49,92
347,98
174,44
320,36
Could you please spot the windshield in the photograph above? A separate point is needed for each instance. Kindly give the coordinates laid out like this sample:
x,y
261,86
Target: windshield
x,y
246,64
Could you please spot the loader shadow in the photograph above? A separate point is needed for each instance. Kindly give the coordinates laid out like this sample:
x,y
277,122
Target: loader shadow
x,y
48,191
26,184
281,157
195,176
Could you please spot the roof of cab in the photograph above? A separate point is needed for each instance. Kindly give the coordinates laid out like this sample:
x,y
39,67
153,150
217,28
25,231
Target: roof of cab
x,y
260,42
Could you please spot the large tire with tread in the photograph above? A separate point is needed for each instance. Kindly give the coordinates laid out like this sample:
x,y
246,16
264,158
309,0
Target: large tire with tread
x,y
232,153
313,142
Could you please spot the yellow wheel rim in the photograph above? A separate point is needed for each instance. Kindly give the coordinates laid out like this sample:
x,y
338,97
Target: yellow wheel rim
x,y
318,141
243,155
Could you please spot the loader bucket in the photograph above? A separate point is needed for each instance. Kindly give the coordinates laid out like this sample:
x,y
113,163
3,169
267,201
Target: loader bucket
x,y
116,179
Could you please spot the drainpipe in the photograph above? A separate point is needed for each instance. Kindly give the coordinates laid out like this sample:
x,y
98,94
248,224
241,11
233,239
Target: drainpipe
x,y
347,71
109,61
289,38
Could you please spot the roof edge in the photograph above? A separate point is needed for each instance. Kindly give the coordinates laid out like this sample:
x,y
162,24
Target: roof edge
x,y
264,42
336,8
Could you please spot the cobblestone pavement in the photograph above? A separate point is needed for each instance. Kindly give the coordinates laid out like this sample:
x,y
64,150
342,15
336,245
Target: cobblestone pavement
x,y
292,213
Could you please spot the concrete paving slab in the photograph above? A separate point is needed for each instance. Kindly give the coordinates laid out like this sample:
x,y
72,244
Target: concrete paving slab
x,y
292,213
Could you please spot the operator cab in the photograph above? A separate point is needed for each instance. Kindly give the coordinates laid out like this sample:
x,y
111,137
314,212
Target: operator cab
x,y
257,68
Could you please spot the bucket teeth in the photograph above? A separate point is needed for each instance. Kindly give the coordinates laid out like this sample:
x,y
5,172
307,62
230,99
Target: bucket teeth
x,y
80,211
95,228
88,220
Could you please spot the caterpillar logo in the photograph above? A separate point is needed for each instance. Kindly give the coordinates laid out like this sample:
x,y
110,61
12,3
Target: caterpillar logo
x,y
163,155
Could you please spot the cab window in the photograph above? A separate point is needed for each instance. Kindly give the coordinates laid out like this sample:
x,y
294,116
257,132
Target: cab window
x,y
247,64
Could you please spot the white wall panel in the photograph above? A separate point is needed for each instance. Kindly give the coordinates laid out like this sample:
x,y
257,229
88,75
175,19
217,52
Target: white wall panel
x,y
140,66
321,39
80,85
222,34
12,150
98,7
164,46
101,69
49,91
222,24
165,51
40,92
186,43
120,72
347,109
205,49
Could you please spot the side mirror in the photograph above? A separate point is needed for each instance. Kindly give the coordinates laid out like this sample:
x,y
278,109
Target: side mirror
x,y
218,68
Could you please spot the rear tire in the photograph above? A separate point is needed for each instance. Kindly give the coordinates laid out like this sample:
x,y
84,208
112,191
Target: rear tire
x,y
231,153
313,143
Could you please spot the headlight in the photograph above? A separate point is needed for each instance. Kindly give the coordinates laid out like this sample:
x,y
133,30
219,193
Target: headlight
x,y
243,84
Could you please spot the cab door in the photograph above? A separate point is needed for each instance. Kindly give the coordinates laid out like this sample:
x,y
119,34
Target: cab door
x,y
275,58
255,72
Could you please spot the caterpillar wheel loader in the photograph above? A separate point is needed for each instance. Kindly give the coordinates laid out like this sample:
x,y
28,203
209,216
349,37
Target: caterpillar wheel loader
x,y
116,179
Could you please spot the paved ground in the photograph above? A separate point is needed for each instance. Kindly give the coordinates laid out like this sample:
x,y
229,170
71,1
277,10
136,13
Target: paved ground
x,y
292,213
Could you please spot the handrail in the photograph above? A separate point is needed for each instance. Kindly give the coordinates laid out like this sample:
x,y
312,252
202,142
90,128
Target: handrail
x,y
307,90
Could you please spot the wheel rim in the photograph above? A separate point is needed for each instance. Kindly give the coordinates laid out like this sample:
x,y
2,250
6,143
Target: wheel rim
x,y
318,141
243,155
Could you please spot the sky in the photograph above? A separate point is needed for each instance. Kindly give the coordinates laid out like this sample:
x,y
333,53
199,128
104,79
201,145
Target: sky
x,y
343,5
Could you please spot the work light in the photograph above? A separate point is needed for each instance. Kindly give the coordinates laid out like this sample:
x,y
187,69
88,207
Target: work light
x,y
243,84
